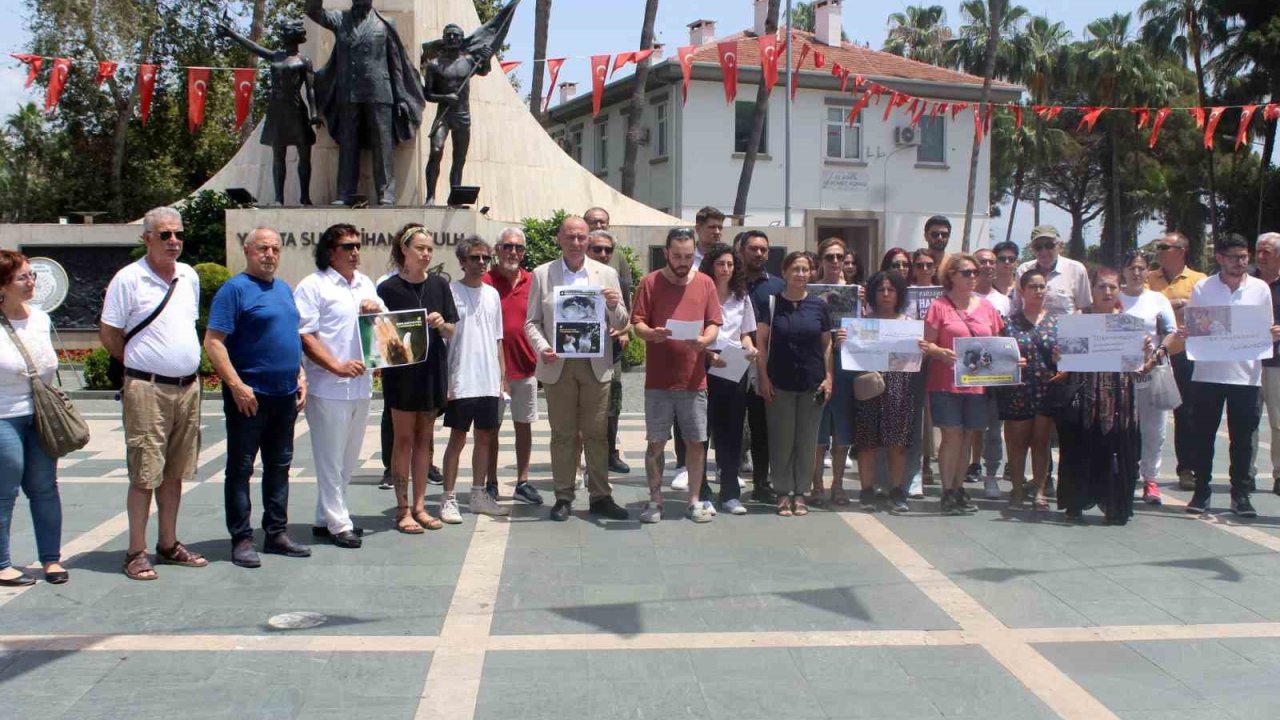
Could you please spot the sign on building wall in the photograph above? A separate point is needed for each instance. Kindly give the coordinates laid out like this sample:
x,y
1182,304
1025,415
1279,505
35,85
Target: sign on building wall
x,y
846,180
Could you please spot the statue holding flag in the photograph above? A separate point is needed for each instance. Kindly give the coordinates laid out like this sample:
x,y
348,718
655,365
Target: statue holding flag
x,y
448,65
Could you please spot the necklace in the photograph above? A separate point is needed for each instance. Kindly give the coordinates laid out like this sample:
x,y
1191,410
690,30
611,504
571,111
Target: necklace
x,y
419,291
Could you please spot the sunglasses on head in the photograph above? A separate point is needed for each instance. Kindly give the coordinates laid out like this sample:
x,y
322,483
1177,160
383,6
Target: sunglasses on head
x,y
511,247
167,234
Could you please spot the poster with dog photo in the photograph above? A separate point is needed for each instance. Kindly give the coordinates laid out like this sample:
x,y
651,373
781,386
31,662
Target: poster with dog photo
x,y
392,339
580,330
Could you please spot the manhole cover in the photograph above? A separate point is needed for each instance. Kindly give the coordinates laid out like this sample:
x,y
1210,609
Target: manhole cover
x,y
296,620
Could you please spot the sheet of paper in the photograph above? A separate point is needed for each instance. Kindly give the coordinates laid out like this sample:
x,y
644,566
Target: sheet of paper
x,y
684,329
735,361
1228,333
882,345
1101,343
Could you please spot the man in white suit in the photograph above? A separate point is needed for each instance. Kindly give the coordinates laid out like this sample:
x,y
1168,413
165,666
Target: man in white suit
x,y
577,389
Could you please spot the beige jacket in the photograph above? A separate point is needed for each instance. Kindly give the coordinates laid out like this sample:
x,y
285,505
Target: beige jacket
x,y
540,320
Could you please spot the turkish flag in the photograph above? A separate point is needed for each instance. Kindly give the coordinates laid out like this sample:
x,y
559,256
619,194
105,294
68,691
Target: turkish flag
x,y
553,67
146,87
1144,115
915,119
857,108
819,60
893,103
509,65
599,68
957,108
1214,116
1161,115
244,93
1017,116
795,74
1090,118
1272,112
106,70
33,63
57,82
729,68
978,125
621,61
686,68
844,80
197,90
769,60
1198,114
1246,115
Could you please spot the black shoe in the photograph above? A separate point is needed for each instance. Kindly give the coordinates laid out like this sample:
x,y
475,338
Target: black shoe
x,y
322,531
282,544
22,580
243,554
434,477
765,495
617,466
526,492
964,503
1199,504
1075,516
57,577
898,502
973,473
606,508
1241,506
387,482
1275,487
560,511
867,499
346,539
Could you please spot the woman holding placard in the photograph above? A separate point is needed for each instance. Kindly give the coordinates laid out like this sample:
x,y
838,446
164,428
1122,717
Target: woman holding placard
x,y
1158,318
1027,424
835,431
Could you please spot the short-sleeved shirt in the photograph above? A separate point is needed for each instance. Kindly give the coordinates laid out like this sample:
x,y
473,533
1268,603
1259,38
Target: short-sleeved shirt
x,y
328,306
999,301
1154,309
1274,360
738,318
796,360
761,288
474,370
673,365
1177,289
1213,291
951,323
1067,284
425,384
169,345
518,353
15,387
260,321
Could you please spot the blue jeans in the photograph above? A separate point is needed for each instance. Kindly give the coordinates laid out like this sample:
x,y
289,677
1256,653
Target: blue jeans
x,y
269,432
24,464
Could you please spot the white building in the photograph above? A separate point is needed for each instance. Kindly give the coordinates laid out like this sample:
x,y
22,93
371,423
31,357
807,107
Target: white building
x,y
873,183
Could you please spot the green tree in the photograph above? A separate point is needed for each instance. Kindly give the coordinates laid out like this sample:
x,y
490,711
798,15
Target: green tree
x,y
967,51
920,33
1039,60
995,14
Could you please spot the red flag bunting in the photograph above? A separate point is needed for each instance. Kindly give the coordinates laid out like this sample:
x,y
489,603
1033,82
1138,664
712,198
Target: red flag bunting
x,y
877,90
844,81
1144,114
620,61
769,60
1017,116
1198,114
33,63
795,74
978,124
915,119
1272,112
1214,116
835,69
1246,115
938,107
1090,118
893,102
509,65
728,51
1161,115
857,108
957,108
57,82
1053,112
197,91
106,70
553,67
599,68
819,60
686,67
911,109
857,82
146,86
244,79
641,56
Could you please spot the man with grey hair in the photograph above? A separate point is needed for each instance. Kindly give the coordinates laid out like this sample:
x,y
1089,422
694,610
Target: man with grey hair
x,y
1267,259
149,325
477,376
253,342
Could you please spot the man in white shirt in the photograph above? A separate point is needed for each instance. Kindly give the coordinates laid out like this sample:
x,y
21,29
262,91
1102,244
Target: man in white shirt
x,y
477,375
161,393
1068,280
1233,384
329,301
987,445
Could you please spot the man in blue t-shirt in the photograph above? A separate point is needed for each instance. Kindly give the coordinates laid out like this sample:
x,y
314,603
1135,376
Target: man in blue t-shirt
x,y
753,251
253,343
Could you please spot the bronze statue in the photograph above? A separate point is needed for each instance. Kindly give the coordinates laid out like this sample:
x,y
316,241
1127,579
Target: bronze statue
x,y
288,120
448,65
369,93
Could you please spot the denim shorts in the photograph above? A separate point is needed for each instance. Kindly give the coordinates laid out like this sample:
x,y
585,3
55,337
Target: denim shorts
x,y
958,410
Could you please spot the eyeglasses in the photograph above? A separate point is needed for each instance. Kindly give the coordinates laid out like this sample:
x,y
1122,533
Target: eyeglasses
x,y
26,277
167,234
1043,246
924,266
900,265
349,246
833,257
1007,259
939,234
601,249
482,259
967,272
512,247
1163,247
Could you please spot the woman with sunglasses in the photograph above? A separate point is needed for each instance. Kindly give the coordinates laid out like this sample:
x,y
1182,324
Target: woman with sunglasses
x,y
898,261
1027,422
960,412
1157,317
924,269
835,432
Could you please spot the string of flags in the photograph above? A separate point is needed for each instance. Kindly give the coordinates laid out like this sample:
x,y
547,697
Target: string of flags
x,y
605,66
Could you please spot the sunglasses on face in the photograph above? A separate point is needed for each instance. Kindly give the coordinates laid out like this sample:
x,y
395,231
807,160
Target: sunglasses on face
x,y
1038,247
924,266
987,262
349,246
1007,259
511,247
168,234
900,265
1164,247
833,257
602,249
939,234
966,273
482,259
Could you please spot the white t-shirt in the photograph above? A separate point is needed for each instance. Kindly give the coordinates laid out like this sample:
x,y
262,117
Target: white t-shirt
x,y
1150,305
328,306
169,345
15,386
999,301
474,370
739,317
1212,291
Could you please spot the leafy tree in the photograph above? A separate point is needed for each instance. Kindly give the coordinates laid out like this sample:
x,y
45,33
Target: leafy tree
x,y
920,33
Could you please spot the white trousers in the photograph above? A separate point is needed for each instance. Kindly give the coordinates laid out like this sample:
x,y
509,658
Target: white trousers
x,y
1153,424
1271,397
337,432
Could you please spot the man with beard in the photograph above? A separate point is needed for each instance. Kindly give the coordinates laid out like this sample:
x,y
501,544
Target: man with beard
x,y
753,248
937,234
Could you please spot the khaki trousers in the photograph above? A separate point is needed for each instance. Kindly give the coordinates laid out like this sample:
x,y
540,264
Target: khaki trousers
x,y
578,402
1271,397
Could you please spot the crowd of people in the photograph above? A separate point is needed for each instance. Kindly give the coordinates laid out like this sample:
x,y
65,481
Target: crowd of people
x,y
491,342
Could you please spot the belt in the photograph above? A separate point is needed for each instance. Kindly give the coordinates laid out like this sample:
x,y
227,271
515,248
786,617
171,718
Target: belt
x,y
161,379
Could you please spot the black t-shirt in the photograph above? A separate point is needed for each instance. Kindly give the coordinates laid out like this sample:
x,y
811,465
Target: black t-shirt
x,y
424,386
796,360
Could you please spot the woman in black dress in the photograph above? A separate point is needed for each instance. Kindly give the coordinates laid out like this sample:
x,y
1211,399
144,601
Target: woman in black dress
x,y
416,393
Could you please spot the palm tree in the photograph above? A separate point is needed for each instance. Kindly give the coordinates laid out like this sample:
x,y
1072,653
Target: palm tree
x,y
635,111
24,141
541,21
968,50
920,33
995,12
757,123
1040,54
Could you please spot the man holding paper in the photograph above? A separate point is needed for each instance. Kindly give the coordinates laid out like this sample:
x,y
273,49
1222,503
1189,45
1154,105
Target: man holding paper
x,y
677,314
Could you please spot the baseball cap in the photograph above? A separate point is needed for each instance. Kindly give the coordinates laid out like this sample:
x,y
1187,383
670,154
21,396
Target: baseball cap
x,y
1040,231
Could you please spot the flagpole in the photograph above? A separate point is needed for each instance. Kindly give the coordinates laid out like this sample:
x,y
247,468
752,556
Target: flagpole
x,y
786,163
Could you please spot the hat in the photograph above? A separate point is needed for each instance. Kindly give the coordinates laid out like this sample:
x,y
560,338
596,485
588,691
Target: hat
x,y
1040,231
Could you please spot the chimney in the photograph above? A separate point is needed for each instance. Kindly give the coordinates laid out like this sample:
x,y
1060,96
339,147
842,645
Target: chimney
x,y
567,91
702,32
826,22
656,57
762,14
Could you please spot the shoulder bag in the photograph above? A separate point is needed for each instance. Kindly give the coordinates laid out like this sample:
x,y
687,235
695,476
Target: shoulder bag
x,y
60,426
115,368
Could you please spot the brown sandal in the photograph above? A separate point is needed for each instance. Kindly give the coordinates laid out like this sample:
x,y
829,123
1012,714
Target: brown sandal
x,y
138,567
784,506
427,520
406,523
800,508
180,555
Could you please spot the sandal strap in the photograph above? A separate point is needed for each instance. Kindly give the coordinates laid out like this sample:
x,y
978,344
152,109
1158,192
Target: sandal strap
x,y
179,554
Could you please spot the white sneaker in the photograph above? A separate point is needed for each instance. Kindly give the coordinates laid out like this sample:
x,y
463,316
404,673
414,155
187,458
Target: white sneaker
x,y
652,513
449,511
709,507
916,491
482,504
699,514
582,479
826,461
681,480
735,507
991,488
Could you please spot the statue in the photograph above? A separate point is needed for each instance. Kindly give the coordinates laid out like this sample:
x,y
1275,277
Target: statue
x,y
369,94
448,65
288,120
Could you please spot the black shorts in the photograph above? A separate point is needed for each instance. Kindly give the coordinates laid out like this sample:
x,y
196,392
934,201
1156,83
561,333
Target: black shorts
x,y
483,411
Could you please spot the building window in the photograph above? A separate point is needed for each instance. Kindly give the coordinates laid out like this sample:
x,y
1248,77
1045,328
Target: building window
x,y
933,146
573,143
744,114
843,141
602,148
660,130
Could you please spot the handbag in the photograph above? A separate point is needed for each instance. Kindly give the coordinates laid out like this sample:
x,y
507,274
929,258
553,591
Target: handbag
x,y
59,425
115,368
1161,388
868,386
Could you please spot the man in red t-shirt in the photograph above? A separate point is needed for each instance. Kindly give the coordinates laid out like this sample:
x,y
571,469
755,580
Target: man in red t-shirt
x,y
521,387
676,301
